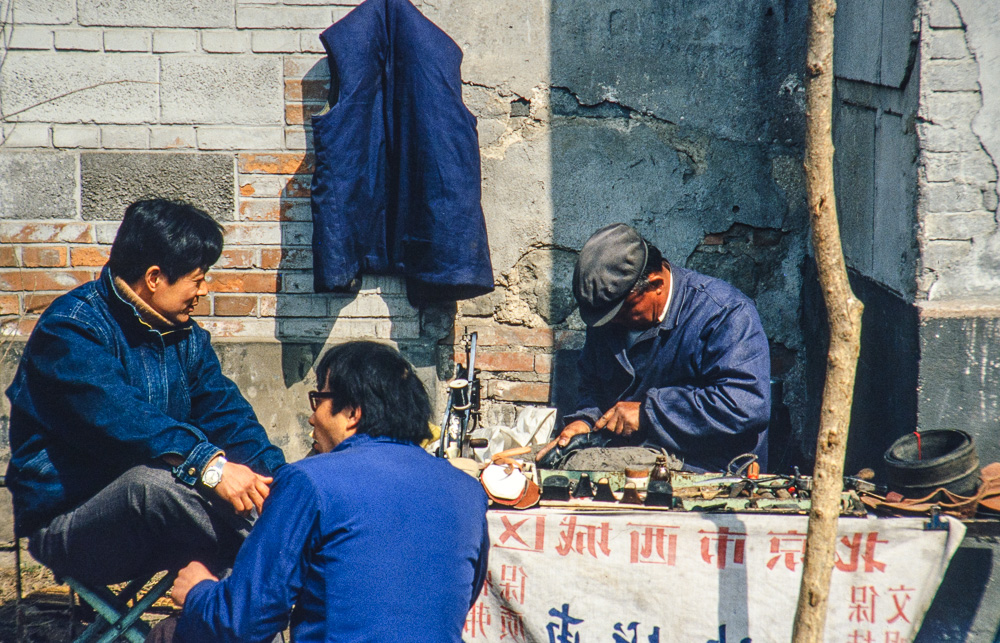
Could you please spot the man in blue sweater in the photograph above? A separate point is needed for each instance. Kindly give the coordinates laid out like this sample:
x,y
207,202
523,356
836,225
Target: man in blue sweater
x,y
371,540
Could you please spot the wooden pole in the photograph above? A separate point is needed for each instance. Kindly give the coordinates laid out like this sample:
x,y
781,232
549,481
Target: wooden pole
x,y
844,315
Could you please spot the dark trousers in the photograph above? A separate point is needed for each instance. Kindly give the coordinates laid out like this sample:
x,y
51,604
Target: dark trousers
x,y
143,522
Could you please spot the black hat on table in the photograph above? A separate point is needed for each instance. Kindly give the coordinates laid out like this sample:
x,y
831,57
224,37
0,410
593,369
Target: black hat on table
x,y
609,266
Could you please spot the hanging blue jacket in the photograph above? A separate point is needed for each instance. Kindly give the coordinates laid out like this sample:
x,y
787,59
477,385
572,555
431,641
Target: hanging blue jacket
x,y
702,375
396,189
99,391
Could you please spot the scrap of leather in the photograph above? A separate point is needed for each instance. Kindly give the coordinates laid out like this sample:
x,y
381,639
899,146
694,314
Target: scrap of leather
x,y
506,484
986,497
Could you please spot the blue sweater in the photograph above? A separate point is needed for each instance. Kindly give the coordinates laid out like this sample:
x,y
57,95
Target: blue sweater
x,y
375,541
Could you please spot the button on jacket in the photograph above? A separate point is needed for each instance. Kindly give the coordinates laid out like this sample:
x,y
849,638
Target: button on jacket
x,y
98,391
702,375
375,541
396,188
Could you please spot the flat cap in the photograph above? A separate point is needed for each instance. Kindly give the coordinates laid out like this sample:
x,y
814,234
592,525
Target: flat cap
x,y
609,266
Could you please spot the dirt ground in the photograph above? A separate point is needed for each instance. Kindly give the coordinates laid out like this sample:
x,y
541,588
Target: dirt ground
x,y
45,613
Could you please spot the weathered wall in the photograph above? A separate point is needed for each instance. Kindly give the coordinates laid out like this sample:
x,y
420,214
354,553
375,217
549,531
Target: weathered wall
x,y
684,122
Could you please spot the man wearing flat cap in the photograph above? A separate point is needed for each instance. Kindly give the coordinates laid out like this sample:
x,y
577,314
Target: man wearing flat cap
x,y
674,360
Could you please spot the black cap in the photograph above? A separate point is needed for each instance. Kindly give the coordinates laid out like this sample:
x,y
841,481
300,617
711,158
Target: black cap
x,y
609,266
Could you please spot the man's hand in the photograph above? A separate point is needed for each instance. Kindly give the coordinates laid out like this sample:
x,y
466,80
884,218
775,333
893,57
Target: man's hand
x,y
187,578
571,429
242,488
622,418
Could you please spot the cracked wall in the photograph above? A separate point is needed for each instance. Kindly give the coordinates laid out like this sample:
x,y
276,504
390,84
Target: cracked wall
x,y
684,121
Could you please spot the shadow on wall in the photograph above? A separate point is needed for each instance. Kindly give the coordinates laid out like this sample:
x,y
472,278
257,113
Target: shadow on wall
x,y
306,321
686,121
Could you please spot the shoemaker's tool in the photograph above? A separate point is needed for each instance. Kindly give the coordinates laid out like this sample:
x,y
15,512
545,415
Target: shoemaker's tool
x,y
461,415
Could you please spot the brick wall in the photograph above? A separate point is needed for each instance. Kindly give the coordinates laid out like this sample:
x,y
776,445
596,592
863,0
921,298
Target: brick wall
x,y
108,101
957,206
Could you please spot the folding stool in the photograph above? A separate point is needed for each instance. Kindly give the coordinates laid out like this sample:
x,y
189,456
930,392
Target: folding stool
x,y
115,619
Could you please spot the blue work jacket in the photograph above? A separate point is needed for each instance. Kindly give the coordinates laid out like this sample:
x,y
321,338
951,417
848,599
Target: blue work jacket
x,y
375,541
98,391
396,189
702,375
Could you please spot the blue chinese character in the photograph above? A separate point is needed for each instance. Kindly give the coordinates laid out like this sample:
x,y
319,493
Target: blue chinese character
x,y
722,637
634,628
564,636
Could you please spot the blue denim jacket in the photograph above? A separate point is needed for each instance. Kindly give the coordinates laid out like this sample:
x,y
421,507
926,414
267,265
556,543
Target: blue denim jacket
x,y
99,391
702,375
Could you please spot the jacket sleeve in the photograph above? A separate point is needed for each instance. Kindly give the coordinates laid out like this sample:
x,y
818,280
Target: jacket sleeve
x,y
732,396
90,405
587,405
254,603
223,414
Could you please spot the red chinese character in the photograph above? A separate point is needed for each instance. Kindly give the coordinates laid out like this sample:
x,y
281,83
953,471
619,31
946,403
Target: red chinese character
x,y
583,538
722,538
511,587
895,637
854,546
477,619
862,608
648,540
787,548
511,624
900,597
860,636
531,538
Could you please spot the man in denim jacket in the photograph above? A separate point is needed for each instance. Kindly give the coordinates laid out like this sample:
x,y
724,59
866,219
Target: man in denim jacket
x,y
131,452
673,359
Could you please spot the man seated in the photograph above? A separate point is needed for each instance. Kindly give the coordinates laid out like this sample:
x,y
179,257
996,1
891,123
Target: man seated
x,y
673,359
131,452
371,540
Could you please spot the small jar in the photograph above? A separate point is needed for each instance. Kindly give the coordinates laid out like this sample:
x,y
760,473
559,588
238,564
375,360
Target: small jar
x,y
661,469
638,477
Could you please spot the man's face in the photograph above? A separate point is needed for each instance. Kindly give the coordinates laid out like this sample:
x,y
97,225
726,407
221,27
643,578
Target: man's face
x,y
640,310
176,301
329,428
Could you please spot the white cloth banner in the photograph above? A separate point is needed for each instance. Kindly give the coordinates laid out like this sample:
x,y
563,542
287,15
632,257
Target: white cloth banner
x,y
559,576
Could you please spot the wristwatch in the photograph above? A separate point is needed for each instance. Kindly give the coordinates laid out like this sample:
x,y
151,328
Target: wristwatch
x,y
213,473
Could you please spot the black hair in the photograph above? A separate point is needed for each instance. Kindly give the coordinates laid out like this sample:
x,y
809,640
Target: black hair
x,y
174,235
654,263
378,380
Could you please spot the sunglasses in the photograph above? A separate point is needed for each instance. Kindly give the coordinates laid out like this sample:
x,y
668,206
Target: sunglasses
x,y
315,397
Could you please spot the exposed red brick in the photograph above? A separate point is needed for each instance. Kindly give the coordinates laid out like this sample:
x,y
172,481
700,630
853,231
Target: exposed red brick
x,y
543,364
236,258
519,391
235,305
46,233
35,304
289,258
24,325
202,308
275,210
298,186
307,89
244,282
301,113
32,280
499,362
8,305
44,256
290,163
766,237
713,240
8,258
513,336
247,190
92,256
